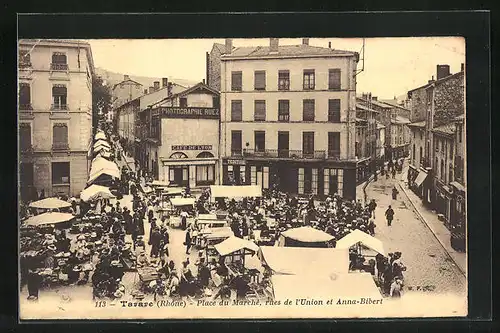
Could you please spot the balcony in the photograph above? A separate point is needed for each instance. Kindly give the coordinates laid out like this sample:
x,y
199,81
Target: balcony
x,y
25,64
60,146
25,107
280,153
59,67
59,107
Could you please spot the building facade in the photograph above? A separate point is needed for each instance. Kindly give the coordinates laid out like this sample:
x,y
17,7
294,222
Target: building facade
x,y
366,142
183,137
126,91
380,144
458,197
288,118
55,116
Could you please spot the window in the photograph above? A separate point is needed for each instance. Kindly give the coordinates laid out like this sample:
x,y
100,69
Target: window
x,y
24,96
334,110
24,136
60,136
284,80
442,171
460,128
236,81
26,175
451,152
308,110
24,59
334,79
413,152
333,144
283,110
421,155
60,173
260,141
236,113
216,102
421,135
260,111
309,79
236,143
59,96
308,143
205,174
183,102
59,61
260,80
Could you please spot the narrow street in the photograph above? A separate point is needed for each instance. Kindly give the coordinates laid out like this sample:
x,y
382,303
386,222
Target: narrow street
x,y
428,265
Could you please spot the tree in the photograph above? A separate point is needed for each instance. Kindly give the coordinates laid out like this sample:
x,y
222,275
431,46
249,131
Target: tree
x,y
101,100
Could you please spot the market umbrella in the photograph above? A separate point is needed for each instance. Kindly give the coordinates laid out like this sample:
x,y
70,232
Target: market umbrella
x,y
94,192
50,203
49,218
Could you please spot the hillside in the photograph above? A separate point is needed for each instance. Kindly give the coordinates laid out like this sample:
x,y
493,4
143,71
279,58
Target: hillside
x,y
113,78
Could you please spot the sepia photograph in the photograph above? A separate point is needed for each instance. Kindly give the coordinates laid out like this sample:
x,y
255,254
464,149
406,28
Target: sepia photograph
x,y
242,178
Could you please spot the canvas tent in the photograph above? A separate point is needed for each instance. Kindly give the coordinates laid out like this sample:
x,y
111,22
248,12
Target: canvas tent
x,y
50,203
304,237
233,244
359,237
49,218
299,260
96,192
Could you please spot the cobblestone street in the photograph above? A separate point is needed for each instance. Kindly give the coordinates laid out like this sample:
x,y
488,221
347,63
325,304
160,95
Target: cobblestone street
x,y
428,265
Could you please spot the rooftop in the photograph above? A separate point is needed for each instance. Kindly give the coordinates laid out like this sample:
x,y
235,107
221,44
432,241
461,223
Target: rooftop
x,y
448,129
365,108
285,51
400,120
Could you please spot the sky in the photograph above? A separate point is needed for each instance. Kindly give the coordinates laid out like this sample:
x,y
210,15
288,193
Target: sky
x,y
392,66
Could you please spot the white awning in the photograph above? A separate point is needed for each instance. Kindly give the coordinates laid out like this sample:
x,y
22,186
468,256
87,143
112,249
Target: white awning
x,y
50,203
101,147
108,172
420,178
96,192
233,244
100,163
182,201
101,143
307,235
49,218
305,260
224,232
337,286
183,161
358,236
222,191
100,135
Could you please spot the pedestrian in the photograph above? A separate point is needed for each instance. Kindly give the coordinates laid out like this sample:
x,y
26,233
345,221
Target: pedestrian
x,y
155,243
395,193
372,205
42,194
393,173
34,281
396,288
389,214
184,216
187,241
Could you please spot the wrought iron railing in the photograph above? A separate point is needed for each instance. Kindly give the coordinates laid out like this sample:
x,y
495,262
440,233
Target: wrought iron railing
x,y
280,153
59,107
27,107
24,64
60,146
58,67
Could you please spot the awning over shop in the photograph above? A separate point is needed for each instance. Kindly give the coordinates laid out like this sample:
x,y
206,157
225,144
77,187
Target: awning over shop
x,y
94,192
157,183
100,163
49,218
100,135
422,175
108,172
307,235
358,236
222,191
183,161
182,201
338,286
305,260
233,244
50,203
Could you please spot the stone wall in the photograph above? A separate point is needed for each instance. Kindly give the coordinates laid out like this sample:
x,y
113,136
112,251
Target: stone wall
x,y
214,64
449,99
418,105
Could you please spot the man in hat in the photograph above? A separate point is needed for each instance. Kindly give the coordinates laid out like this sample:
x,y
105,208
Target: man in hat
x,y
34,281
187,241
155,242
389,214
371,206
396,288
128,220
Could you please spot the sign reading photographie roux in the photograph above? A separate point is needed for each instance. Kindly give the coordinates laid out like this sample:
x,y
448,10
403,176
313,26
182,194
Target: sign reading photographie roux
x,y
189,112
304,247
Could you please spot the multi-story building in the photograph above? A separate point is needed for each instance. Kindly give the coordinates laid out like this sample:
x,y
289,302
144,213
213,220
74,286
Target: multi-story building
x,y
288,118
380,143
458,198
183,137
214,64
126,91
55,116
366,141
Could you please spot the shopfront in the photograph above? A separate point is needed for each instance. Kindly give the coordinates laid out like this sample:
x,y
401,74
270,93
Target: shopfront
x,y
180,170
443,201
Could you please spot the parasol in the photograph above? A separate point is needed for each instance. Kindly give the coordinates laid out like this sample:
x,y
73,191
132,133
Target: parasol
x,y
94,192
50,203
49,218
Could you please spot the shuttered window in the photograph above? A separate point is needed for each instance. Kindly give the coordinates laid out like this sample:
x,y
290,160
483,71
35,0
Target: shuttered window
x,y
236,143
308,143
236,113
24,96
236,81
24,136
260,141
284,80
58,58
334,110
309,79
59,96
308,110
334,79
260,80
260,110
60,136
284,110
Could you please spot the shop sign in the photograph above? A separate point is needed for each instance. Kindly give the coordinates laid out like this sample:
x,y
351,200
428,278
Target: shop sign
x,y
189,112
192,147
236,162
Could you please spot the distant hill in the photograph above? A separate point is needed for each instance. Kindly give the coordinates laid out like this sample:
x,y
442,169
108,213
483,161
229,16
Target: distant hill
x,y
113,78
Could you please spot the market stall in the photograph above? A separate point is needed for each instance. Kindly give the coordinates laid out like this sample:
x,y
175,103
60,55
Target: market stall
x,y
234,249
361,240
243,191
323,288
304,237
303,260
49,218
50,203
214,237
96,192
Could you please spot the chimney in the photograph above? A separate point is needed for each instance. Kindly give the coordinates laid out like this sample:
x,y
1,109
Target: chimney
x,y
207,66
151,89
164,82
442,71
273,44
229,46
305,41
431,80
126,77
203,81
169,89
156,85
462,67
375,98
329,45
